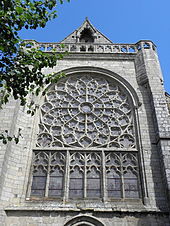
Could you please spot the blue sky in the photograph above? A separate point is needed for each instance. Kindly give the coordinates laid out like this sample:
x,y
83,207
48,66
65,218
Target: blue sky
x,y
122,21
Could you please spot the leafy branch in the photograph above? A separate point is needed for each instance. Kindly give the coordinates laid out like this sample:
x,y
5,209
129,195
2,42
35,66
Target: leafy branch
x,y
5,137
21,70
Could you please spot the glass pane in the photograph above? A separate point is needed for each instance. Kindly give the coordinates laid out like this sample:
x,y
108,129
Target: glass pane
x,y
38,183
56,183
93,193
131,188
55,193
131,184
57,173
76,183
131,194
113,184
39,193
114,194
75,193
93,183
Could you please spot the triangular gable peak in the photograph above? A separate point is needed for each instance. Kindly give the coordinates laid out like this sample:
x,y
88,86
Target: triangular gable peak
x,y
87,33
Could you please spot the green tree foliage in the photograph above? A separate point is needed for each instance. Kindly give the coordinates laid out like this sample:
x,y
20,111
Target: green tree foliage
x,y
20,69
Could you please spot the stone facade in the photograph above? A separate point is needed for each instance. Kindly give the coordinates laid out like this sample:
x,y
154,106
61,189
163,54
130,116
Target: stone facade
x,y
136,68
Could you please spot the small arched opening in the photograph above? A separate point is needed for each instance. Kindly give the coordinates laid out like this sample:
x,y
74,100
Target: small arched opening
x,y
86,36
84,221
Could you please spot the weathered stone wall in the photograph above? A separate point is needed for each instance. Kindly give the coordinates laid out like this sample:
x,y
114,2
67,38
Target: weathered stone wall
x,y
142,72
107,219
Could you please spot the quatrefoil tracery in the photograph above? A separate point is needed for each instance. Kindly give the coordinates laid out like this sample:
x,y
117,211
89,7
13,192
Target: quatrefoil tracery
x,y
86,111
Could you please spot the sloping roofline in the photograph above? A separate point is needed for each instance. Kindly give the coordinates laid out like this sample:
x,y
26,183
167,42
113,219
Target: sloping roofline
x,y
92,27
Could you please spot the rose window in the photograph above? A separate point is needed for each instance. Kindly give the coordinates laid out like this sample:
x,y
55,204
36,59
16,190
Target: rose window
x,y
95,115
86,111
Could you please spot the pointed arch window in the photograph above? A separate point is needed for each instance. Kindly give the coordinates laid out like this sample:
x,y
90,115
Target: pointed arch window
x,y
86,145
86,36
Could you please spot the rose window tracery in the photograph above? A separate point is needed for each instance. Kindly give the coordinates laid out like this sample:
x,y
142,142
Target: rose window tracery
x,y
86,146
86,111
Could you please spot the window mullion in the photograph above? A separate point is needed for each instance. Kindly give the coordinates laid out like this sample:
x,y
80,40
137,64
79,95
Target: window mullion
x,y
94,113
66,177
122,178
85,176
48,176
103,178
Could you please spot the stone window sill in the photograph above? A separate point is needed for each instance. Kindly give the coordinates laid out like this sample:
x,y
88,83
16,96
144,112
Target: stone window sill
x,y
83,205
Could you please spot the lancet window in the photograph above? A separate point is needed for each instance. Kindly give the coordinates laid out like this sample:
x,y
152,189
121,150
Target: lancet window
x,y
86,146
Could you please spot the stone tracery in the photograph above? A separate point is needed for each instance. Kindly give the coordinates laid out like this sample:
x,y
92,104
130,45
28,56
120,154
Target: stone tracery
x,y
94,114
86,111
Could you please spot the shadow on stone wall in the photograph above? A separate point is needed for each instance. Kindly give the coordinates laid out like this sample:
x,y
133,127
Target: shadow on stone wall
x,y
158,186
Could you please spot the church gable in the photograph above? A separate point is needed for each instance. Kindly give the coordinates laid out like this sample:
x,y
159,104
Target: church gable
x,y
96,151
86,33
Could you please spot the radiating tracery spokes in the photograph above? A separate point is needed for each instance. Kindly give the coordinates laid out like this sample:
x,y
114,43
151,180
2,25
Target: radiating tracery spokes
x,y
86,111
